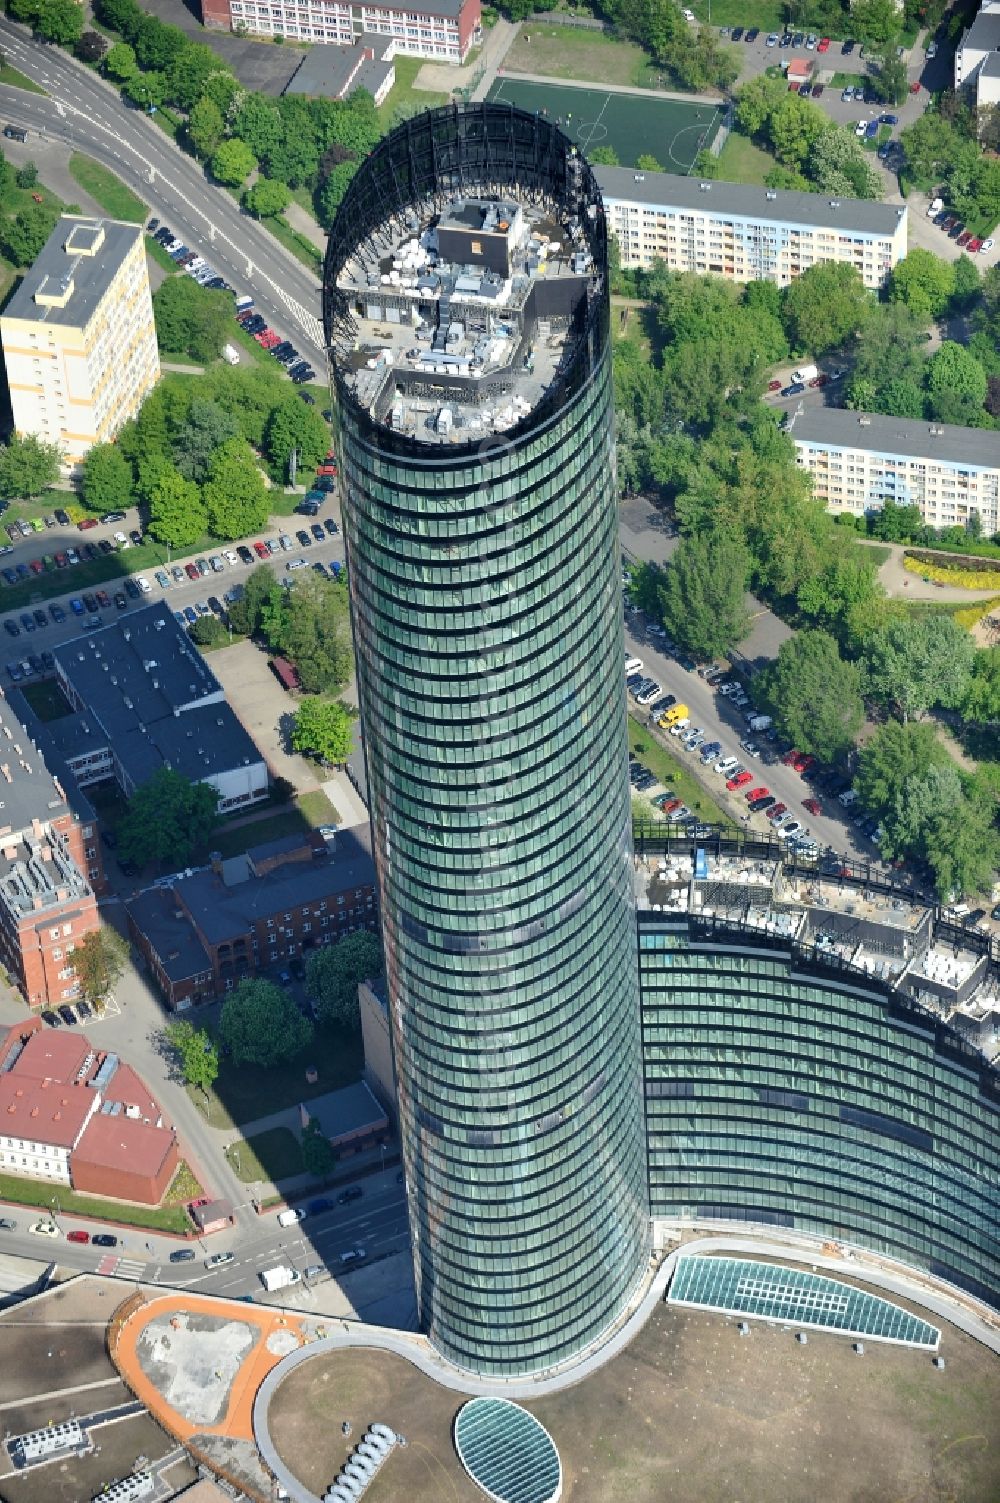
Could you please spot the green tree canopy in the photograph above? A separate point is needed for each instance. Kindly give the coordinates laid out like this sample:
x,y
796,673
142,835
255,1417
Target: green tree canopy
x,y
200,437
177,516
232,162
982,696
317,1150
99,960
953,372
23,237
266,198
235,495
310,625
323,729
825,307
261,594
923,282
838,163
106,482
28,466
191,320
120,62
915,662
293,425
168,818
814,695
261,1025
205,127
897,755
703,593
197,1055
334,972
60,21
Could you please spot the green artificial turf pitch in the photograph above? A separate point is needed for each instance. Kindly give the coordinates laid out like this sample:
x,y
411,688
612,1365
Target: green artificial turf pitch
x,y
671,130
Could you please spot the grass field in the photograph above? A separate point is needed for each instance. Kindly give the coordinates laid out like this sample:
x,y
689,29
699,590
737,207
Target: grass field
x,y
33,1192
309,812
404,95
243,1093
110,192
645,746
570,52
671,130
740,161
16,80
272,1155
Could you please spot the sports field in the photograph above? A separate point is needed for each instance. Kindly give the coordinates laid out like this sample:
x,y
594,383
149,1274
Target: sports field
x,y
671,130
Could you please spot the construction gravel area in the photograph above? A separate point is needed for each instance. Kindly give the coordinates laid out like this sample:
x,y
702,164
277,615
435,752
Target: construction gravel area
x,y
193,1359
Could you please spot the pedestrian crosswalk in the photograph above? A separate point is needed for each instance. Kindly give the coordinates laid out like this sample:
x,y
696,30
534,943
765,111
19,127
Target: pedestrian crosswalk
x,y
131,1268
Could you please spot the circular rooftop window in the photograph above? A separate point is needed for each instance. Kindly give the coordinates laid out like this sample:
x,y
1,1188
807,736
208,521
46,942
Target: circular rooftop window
x,y
507,1452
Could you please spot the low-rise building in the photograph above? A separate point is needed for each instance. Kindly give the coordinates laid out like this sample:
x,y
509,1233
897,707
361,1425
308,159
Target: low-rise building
x,y
79,1117
745,233
859,460
145,698
335,72
79,341
376,1035
270,906
443,29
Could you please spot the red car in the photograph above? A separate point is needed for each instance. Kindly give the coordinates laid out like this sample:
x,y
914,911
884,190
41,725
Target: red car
x,y
813,805
739,781
62,562
964,238
328,468
790,758
77,1236
774,386
823,45
756,793
103,599
191,571
819,381
669,808
776,811
915,86
262,550
974,245
87,523
36,566
794,86
803,765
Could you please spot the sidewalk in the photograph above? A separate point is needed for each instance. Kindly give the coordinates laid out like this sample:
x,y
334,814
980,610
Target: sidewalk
x,y
342,794
444,77
899,583
715,100
300,219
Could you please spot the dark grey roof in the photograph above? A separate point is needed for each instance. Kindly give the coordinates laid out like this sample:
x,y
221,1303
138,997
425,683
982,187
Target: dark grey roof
x,y
347,1111
60,258
326,71
152,697
991,66
223,912
970,448
741,201
984,33
52,737
179,950
28,789
372,74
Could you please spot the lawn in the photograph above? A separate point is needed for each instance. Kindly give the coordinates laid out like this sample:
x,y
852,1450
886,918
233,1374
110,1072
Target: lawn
x,y
307,813
272,1156
769,15
33,1192
243,1093
646,747
109,191
571,52
156,252
16,80
301,248
841,80
740,161
403,94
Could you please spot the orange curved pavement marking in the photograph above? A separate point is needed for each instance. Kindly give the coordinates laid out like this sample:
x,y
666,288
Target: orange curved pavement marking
x,y
238,1419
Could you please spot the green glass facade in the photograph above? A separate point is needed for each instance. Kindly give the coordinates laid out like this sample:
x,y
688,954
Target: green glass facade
x,y
487,623
782,1092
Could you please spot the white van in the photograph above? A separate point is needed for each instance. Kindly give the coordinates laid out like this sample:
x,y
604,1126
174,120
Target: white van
x,y
290,1218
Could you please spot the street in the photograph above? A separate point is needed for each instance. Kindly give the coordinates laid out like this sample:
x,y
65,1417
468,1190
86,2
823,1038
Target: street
x,y
89,115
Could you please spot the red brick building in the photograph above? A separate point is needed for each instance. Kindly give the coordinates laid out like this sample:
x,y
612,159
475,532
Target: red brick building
x,y
266,908
79,1117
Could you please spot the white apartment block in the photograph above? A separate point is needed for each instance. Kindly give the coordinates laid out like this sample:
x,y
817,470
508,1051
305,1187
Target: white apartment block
x,y
859,460
444,29
747,234
977,56
78,336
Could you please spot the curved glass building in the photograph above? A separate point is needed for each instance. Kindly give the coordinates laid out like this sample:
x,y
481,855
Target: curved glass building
x,y
820,1055
466,310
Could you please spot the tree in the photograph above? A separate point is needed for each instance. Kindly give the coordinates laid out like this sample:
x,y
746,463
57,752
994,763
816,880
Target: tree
x,y
232,162
968,284
703,594
23,236
825,307
146,91
99,960
177,515
235,495
266,198
168,818
191,320
930,144
330,194
794,128
923,282
204,431
197,1055
208,631
814,695
257,123
846,584
647,163
323,729
876,23
198,73
157,45
891,81
310,625
261,593
27,176
60,21
205,127
293,425
838,163
604,156
897,755
106,483
952,371
91,47
28,466
982,696
918,661
261,1025
334,972
120,62
756,102
974,188
317,1150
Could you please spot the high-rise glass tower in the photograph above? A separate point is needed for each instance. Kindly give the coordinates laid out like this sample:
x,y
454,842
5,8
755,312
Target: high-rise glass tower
x,y
466,310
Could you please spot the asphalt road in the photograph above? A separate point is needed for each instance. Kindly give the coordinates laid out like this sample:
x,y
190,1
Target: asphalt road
x,y
88,115
179,594
377,1222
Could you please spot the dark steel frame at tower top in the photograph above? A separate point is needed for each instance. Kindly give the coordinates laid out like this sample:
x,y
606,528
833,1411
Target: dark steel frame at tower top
x,y
446,151
487,614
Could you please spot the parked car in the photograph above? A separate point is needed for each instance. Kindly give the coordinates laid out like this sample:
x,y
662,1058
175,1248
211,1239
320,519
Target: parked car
x,y
353,1192
182,1255
77,1236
